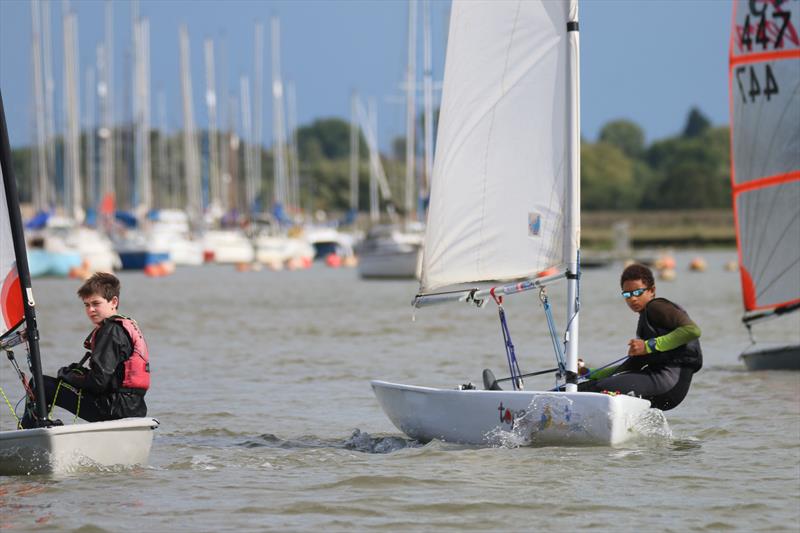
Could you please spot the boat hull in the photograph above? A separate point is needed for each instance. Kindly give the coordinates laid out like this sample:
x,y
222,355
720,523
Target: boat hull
x,y
390,265
777,358
63,449
484,417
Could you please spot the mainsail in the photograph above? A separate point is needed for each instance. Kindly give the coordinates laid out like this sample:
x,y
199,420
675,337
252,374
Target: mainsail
x,y
764,82
500,179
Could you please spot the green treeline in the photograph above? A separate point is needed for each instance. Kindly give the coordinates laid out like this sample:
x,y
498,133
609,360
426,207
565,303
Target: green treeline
x,y
618,172
688,171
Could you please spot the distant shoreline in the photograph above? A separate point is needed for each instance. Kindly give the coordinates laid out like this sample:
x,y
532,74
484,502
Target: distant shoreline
x,y
690,228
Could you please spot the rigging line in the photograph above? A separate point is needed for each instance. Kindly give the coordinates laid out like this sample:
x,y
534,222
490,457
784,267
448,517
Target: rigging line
x,y
777,130
762,263
784,271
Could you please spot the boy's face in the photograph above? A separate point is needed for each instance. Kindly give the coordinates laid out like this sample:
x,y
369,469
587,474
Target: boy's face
x,y
637,303
98,308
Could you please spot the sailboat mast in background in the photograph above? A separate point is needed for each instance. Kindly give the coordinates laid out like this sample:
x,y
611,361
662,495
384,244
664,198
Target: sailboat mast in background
x,y
143,191
194,206
215,206
428,104
41,191
278,131
257,135
73,193
411,110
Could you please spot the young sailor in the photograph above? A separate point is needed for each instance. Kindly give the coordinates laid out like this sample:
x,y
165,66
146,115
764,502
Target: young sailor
x,y
118,376
665,353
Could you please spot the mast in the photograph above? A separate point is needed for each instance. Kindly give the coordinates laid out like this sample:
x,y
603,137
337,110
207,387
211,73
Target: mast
x,y
374,208
211,103
225,118
191,164
428,103
165,177
89,125
279,135
18,237
354,157
142,113
293,196
49,111
249,182
105,90
256,140
42,200
72,183
411,112
573,231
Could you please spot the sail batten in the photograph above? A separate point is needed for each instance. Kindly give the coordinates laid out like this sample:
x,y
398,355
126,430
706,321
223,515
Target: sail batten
x,y
764,84
498,196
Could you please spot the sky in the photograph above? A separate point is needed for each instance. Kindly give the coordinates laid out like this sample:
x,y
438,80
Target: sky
x,y
649,61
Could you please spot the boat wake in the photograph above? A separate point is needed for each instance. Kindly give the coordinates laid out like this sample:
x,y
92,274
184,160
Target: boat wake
x,y
359,441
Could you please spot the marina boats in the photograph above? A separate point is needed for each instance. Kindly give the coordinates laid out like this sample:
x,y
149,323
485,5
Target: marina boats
x,y
227,246
170,230
50,448
764,82
60,246
505,206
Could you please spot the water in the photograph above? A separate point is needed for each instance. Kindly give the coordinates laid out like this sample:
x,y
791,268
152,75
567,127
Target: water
x,y
261,383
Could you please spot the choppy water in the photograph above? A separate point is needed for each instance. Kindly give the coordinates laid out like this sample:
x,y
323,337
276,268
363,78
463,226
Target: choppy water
x,y
261,383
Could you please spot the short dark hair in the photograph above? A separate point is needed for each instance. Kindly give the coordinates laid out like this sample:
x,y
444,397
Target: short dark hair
x,y
637,271
103,283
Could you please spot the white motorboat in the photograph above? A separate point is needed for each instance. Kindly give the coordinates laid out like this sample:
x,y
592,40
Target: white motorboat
x,y
388,252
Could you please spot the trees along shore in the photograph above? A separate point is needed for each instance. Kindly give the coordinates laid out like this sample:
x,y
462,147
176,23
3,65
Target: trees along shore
x,y
675,191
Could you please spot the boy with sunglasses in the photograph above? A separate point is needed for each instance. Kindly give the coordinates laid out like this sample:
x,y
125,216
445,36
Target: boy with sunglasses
x,y
666,352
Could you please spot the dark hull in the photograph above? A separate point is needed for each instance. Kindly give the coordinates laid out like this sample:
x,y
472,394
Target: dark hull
x,y
779,358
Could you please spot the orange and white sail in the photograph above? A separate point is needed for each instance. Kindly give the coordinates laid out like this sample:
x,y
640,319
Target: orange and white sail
x,y
11,307
764,84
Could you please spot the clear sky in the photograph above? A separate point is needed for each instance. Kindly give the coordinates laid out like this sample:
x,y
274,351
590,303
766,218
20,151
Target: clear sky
x,y
649,61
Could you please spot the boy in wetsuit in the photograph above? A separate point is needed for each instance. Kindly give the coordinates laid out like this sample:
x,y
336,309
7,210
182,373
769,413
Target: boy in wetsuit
x,y
118,376
666,352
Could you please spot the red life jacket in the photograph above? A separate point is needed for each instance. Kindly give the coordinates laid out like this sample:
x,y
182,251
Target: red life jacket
x,y
137,366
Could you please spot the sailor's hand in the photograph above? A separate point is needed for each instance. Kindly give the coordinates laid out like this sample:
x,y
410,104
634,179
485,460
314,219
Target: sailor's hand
x,y
63,371
636,347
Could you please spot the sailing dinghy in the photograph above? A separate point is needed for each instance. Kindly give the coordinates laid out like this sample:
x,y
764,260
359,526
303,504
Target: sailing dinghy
x,y
764,82
505,206
51,448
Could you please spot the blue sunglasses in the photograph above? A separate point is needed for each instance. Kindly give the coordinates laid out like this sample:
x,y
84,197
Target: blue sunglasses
x,y
637,293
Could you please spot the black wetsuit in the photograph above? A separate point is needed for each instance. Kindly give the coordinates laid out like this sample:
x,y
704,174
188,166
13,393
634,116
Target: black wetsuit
x,y
661,377
99,385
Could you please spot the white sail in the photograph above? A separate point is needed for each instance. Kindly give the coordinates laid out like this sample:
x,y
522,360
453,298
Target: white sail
x,y
499,187
765,156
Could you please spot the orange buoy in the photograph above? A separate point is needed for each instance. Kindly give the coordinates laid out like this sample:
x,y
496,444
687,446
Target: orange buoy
x,y
333,261
698,264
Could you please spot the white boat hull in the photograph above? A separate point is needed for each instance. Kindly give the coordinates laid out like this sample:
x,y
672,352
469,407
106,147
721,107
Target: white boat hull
x,y
484,417
63,449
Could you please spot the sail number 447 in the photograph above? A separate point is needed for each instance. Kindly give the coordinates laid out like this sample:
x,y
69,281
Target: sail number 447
x,y
754,88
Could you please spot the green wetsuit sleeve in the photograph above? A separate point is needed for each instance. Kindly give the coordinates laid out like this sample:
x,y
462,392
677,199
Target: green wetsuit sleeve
x,y
677,337
602,373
